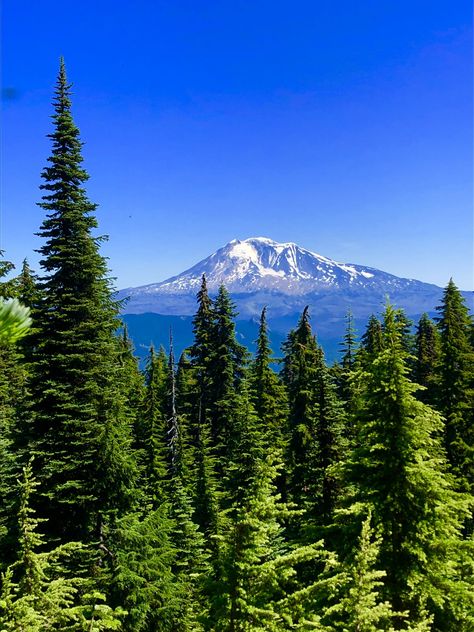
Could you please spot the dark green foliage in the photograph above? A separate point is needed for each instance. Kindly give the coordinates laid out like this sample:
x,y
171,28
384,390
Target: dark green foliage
x,y
267,391
372,341
456,384
80,433
425,371
302,362
27,286
316,425
226,372
151,429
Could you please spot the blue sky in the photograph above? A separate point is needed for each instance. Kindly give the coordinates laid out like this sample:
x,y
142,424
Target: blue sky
x,y
343,126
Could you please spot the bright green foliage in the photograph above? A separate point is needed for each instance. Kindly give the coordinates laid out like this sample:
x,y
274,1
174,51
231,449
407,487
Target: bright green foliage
x,y
267,391
425,371
15,321
38,594
456,384
397,469
359,605
256,586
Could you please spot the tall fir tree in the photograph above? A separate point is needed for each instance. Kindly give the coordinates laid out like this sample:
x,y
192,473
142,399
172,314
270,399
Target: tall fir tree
x,y
267,391
301,364
80,435
426,365
226,371
456,384
151,429
371,341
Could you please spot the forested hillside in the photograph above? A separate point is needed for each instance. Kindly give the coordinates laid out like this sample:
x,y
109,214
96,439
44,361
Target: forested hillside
x,y
211,492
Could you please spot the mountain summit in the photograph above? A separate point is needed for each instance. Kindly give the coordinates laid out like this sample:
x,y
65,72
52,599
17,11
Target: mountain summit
x,y
259,263
259,271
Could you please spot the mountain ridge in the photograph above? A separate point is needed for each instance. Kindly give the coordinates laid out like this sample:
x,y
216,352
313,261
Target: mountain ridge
x,y
260,271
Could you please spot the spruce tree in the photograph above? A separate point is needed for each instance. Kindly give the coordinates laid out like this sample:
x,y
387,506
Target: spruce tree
x,y
267,391
371,341
226,372
201,350
151,430
27,286
456,384
80,435
302,363
427,359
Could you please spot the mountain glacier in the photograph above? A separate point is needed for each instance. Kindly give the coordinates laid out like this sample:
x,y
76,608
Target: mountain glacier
x,y
284,276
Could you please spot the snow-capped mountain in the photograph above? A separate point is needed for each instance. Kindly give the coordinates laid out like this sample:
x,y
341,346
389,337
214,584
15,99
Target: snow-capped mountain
x,y
260,263
259,271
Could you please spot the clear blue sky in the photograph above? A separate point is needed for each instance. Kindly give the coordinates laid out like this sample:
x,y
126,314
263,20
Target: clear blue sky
x,y
343,126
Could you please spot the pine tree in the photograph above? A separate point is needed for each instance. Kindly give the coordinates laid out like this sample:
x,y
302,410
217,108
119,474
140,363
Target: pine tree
x,y
267,391
301,364
152,427
371,341
27,286
190,562
226,372
427,359
456,384
80,435
15,324
201,351
255,585
396,469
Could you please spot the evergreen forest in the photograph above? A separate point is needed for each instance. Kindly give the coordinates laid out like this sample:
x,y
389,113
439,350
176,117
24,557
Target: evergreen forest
x,y
213,491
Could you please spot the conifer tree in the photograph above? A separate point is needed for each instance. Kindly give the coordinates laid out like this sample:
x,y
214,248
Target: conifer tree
x,y
255,585
343,374
359,605
80,435
190,562
301,365
152,427
27,286
201,350
456,384
38,593
371,341
427,359
226,371
267,391
15,323
397,470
